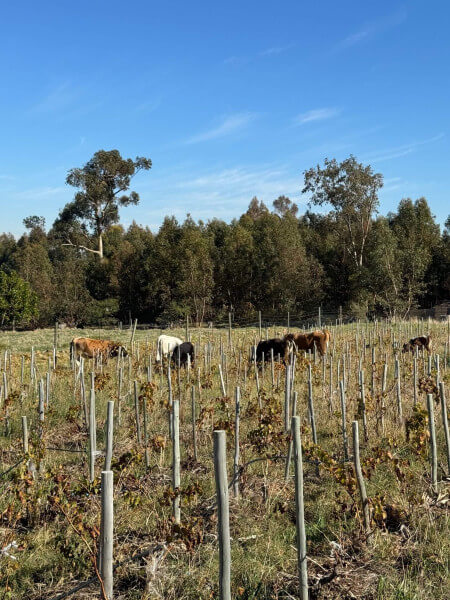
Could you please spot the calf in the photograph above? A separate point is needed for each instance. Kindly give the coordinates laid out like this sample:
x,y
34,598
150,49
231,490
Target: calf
x,y
181,353
90,348
420,343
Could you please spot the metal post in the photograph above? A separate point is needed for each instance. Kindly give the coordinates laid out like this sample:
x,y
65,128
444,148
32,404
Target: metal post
x,y
107,533
25,435
287,397
220,470
291,440
311,406
109,434
194,423
236,441
433,447
92,436
176,460
363,406
299,510
445,423
344,419
136,410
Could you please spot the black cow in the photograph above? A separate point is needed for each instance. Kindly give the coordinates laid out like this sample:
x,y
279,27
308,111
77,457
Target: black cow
x,y
419,342
181,353
280,346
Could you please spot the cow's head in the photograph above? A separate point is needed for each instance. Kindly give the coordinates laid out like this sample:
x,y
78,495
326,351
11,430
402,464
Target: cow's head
x,y
407,347
116,349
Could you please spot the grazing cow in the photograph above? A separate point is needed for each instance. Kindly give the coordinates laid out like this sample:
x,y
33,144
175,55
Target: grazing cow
x,y
419,342
166,345
89,348
307,341
181,353
280,346
322,340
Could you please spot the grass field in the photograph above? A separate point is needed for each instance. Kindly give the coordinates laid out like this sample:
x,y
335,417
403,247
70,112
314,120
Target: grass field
x,y
54,517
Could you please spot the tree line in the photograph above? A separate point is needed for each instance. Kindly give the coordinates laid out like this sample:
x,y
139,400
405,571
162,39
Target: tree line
x,y
87,268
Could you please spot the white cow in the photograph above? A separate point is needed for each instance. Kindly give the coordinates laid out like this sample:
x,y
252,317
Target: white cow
x,y
166,345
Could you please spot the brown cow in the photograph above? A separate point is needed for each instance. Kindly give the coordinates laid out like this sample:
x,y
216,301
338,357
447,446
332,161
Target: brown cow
x,y
419,342
307,341
322,339
89,348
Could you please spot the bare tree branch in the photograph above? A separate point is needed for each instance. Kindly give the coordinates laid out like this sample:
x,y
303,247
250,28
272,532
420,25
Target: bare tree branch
x,y
69,243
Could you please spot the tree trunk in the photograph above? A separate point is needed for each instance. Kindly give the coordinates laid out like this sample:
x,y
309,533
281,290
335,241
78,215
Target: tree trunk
x,y
100,246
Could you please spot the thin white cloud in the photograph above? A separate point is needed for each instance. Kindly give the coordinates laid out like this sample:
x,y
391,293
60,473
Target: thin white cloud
x,y
393,183
60,98
229,125
317,114
403,150
63,102
271,51
230,190
353,39
234,60
373,28
275,50
149,106
81,142
39,193
223,193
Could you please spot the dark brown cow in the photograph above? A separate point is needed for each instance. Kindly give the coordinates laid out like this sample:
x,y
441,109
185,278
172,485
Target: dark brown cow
x,y
89,348
420,343
307,341
280,347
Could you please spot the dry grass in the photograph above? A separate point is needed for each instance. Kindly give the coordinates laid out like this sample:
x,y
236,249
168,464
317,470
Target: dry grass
x,y
55,518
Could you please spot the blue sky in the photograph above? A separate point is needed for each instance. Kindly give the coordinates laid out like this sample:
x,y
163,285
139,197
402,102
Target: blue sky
x,y
229,100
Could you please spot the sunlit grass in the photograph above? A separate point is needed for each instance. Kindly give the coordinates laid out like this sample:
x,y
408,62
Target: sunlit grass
x,y
55,518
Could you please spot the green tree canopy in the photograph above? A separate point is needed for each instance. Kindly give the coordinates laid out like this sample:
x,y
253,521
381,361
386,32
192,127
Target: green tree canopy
x,y
102,184
18,302
284,206
352,191
417,236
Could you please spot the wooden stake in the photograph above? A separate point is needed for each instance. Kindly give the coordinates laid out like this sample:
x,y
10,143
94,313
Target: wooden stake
x,y
360,478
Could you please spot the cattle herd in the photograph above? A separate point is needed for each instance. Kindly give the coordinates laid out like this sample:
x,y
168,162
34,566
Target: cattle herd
x,y
280,348
183,353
